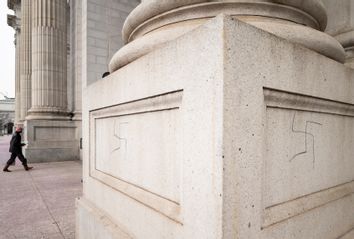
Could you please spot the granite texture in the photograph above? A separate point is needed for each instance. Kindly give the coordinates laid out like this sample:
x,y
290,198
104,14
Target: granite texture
x,y
220,136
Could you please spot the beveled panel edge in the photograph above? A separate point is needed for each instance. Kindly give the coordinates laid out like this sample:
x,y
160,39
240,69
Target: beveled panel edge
x,y
283,211
274,98
288,100
166,101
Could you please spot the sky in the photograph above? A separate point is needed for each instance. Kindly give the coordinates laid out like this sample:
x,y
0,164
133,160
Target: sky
x,y
7,53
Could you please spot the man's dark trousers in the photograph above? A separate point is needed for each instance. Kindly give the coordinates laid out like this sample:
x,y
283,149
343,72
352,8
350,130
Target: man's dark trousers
x,y
16,151
20,157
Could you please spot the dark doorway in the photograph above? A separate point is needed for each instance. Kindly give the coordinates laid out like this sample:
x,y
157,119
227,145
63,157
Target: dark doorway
x,y
9,128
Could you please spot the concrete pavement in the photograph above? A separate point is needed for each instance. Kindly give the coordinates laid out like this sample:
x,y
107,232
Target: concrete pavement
x,y
38,204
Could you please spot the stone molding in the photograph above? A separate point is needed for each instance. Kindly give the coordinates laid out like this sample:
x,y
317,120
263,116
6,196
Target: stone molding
x,y
346,39
154,23
310,12
341,25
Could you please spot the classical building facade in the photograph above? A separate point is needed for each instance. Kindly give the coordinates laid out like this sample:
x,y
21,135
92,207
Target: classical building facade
x,y
61,47
219,119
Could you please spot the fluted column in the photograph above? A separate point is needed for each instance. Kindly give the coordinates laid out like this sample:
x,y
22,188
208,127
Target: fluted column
x,y
154,23
15,22
78,60
49,67
25,58
17,78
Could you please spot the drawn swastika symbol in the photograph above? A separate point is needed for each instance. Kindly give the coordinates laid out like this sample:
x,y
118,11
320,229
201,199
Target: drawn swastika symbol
x,y
119,134
309,140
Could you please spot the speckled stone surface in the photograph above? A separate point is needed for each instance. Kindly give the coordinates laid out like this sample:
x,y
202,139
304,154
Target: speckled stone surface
x,y
264,131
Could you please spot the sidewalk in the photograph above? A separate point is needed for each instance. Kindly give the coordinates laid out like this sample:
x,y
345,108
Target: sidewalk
x,y
38,204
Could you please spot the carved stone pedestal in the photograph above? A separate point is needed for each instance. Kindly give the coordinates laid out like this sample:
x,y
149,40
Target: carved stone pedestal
x,y
227,131
51,141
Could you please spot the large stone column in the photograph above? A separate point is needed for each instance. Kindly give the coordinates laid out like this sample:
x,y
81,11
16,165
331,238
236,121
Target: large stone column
x,y
154,23
25,58
15,22
18,80
50,132
75,62
77,6
49,60
69,62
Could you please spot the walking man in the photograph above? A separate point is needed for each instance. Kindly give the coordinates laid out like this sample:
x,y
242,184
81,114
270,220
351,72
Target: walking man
x,y
16,151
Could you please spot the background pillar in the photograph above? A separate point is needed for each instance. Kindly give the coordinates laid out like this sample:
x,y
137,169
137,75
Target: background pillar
x,y
25,58
50,132
77,18
17,78
15,22
49,57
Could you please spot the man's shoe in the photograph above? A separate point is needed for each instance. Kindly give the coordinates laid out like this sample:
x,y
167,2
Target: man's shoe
x,y
28,168
6,169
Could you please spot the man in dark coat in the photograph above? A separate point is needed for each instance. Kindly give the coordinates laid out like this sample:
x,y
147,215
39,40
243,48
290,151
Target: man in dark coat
x,y
16,151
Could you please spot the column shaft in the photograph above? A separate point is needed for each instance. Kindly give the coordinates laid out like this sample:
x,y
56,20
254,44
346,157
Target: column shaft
x,y
14,21
49,69
25,58
17,78
78,60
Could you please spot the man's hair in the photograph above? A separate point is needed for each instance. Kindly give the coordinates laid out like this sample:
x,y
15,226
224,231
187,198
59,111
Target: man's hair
x,y
105,74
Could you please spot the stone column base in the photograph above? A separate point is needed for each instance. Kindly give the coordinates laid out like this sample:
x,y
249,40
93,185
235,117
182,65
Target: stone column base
x,y
50,141
226,132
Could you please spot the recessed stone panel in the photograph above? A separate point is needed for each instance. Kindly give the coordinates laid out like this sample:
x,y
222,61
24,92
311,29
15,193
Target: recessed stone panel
x,y
309,154
54,133
136,149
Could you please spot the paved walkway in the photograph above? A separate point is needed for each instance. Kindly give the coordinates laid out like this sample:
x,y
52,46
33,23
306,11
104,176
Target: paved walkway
x,y
38,204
